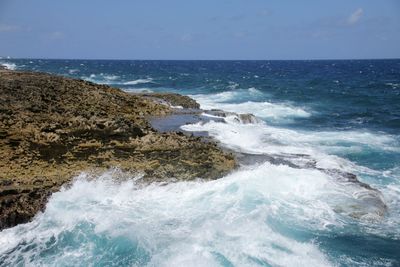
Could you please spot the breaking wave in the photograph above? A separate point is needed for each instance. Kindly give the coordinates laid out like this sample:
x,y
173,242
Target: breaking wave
x,y
224,222
138,81
303,195
265,109
9,66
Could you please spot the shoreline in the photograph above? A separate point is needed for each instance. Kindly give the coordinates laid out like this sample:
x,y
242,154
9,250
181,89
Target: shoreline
x,y
53,128
148,141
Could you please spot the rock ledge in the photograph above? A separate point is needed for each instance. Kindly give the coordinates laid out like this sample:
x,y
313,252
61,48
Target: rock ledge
x,y
52,128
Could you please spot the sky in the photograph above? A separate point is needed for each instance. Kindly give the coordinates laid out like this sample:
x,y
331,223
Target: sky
x,y
202,29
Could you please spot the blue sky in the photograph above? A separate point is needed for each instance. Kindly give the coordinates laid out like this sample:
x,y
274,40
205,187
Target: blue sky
x,y
206,29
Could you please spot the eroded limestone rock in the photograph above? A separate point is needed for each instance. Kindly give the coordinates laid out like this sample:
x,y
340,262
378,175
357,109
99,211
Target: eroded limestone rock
x,y
52,128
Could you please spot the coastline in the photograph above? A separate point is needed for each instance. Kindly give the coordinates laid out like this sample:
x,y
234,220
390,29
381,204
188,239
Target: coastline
x,y
306,180
54,128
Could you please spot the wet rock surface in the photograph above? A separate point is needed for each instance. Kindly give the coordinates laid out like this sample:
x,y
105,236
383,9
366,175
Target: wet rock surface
x,y
240,118
368,202
52,128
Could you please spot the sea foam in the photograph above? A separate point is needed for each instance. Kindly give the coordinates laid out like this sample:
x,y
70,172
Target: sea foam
x,y
310,150
9,66
138,81
264,109
223,222
263,138
248,218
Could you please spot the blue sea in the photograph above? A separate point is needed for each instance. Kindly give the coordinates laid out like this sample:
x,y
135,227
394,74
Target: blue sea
x,y
293,203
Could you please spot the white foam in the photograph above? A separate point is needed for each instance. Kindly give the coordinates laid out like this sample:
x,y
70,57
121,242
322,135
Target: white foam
x,y
393,85
138,90
254,91
9,66
235,219
72,71
138,81
233,85
177,107
102,78
266,110
179,224
263,138
250,93
111,77
321,147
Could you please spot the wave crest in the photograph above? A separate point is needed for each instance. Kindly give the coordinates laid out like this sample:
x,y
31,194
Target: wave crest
x,y
9,66
138,81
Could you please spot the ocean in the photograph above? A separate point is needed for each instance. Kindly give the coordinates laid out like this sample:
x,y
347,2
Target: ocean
x,y
293,202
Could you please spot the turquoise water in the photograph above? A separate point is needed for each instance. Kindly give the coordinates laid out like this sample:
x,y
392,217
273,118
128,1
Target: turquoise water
x,y
320,119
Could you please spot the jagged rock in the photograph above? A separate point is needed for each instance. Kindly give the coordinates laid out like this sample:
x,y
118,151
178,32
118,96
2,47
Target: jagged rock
x,y
52,128
174,100
241,118
248,118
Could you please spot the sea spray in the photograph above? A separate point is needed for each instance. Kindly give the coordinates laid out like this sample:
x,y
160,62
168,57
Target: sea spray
x,y
296,205
255,216
9,66
215,223
265,110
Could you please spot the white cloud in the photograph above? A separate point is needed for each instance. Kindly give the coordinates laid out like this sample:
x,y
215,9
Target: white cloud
x,y
355,16
8,28
57,35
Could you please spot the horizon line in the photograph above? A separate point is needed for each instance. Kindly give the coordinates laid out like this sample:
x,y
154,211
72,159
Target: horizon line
x,y
118,59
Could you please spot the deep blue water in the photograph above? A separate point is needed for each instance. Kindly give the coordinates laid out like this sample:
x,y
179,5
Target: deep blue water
x,y
342,114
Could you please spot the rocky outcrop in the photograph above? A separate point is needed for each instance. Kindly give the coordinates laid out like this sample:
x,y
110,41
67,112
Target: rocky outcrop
x,y
52,128
245,118
173,100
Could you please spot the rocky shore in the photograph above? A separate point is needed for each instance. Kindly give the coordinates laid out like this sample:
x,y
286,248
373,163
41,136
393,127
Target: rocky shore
x,y
52,128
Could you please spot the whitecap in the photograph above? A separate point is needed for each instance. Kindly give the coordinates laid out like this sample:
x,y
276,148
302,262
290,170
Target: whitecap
x,y
262,138
111,77
9,66
72,71
102,78
138,81
250,104
265,110
393,85
232,85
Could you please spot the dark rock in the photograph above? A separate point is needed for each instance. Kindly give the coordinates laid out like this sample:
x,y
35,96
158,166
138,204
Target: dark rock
x,y
241,118
248,118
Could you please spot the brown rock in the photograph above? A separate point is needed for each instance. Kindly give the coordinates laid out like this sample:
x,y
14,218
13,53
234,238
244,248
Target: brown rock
x,y
172,99
52,128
